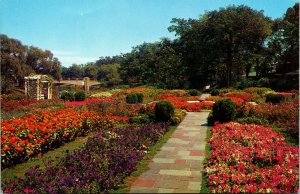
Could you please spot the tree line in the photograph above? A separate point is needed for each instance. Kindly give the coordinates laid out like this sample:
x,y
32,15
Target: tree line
x,y
221,46
18,60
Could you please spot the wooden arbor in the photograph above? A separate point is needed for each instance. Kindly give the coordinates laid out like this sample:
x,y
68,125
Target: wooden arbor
x,y
38,87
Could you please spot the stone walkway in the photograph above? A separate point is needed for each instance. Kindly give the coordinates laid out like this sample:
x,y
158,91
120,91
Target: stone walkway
x,y
177,167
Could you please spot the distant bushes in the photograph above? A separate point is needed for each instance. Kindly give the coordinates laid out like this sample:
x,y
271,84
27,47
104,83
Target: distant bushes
x,y
215,92
68,96
71,96
194,92
79,96
274,98
134,98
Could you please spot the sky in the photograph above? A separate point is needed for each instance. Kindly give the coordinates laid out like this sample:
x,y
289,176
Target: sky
x,y
81,31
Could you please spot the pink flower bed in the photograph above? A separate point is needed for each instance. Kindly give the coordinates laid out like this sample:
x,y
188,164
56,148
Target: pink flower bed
x,y
251,158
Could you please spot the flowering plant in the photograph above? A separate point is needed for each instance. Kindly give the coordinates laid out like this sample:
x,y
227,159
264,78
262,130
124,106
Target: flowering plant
x,y
251,158
100,166
25,137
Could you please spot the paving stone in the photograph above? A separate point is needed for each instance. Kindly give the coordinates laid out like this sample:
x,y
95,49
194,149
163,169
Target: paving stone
x,y
144,182
197,153
162,190
163,160
183,153
184,191
165,148
172,184
177,141
143,190
200,158
176,172
194,186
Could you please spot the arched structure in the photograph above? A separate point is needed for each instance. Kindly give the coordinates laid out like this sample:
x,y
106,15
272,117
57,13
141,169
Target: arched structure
x,y
38,87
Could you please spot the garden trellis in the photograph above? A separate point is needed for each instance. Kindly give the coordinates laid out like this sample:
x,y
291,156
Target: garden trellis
x,y
38,87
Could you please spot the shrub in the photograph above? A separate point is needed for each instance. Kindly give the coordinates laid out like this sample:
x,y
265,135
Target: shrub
x,y
79,96
263,82
194,92
140,97
131,98
140,119
210,119
224,111
178,116
251,120
164,111
274,98
215,92
69,96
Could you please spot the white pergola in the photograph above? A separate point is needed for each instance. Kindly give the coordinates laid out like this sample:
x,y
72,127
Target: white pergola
x,y
35,84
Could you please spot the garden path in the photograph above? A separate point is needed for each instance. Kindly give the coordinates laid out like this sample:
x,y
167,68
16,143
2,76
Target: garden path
x,y
177,167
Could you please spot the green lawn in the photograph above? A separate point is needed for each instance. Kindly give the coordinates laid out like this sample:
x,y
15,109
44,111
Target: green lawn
x,y
204,182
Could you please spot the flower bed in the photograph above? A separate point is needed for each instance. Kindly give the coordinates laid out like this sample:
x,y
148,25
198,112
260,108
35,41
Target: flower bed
x,y
242,95
27,136
284,115
251,158
181,103
100,166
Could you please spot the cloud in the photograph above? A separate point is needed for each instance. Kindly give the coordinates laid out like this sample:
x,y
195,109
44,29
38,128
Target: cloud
x,y
69,57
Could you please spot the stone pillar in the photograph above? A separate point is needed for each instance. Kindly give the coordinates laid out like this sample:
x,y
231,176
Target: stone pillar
x,y
26,87
86,81
49,91
38,89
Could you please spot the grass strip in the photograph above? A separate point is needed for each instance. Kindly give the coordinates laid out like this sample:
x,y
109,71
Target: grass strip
x,y
204,181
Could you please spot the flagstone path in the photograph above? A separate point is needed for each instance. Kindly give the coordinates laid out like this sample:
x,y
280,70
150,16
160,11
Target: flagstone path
x,y
177,167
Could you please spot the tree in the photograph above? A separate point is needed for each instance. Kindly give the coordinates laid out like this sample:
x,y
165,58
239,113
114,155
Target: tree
x,y
109,74
13,62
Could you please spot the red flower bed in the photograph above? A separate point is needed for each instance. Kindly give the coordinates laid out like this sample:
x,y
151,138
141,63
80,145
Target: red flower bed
x,y
287,96
27,136
284,115
89,101
251,158
243,95
181,103
9,105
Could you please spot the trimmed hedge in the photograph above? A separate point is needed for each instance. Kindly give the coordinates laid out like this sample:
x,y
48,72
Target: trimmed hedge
x,y
69,96
274,98
131,98
164,111
134,98
79,96
224,111
194,92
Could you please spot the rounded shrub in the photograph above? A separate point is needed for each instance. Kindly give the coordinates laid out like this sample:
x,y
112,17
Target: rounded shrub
x,y
274,98
131,98
164,111
194,92
224,111
140,97
69,96
215,92
79,96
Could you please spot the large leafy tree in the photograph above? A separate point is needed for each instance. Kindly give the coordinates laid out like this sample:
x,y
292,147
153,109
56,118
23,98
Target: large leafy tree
x,y
219,38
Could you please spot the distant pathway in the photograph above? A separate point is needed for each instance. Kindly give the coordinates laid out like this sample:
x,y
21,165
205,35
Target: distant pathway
x,y
177,167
